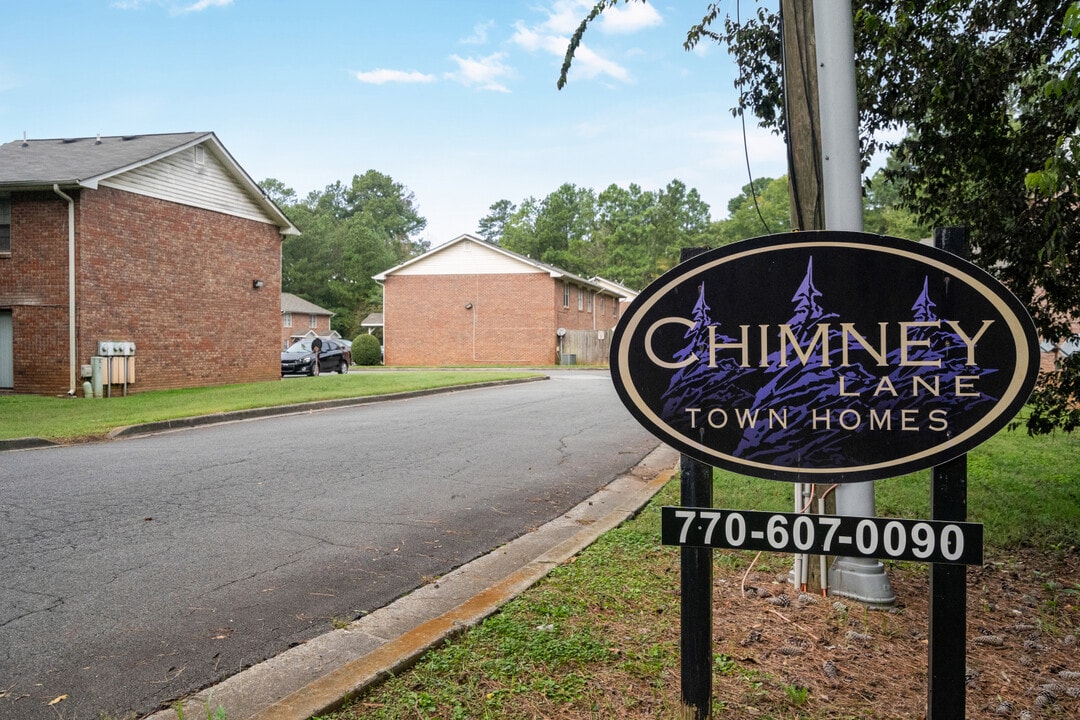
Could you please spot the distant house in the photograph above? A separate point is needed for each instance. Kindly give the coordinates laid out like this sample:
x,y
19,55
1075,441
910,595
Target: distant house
x,y
1053,353
162,241
301,319
372,323
468,302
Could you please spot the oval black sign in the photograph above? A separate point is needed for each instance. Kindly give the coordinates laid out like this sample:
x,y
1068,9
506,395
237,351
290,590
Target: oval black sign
x,y
825,357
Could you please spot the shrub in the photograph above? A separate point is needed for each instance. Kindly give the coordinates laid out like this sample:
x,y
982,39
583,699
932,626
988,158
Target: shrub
x,y
366,350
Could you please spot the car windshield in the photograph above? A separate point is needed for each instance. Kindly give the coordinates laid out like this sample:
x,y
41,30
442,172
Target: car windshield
x,y
302,346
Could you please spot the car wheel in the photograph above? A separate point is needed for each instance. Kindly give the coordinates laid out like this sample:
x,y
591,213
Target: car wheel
x,y
343,367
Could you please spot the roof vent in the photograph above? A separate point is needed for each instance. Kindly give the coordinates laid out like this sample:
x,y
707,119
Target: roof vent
x,y
24,143
98,141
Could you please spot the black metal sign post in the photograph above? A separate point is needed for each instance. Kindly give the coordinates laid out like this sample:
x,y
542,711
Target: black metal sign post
x,y
946,692
696,580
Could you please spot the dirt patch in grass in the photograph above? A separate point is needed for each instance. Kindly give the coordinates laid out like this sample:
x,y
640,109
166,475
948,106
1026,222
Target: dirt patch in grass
x,y
796,655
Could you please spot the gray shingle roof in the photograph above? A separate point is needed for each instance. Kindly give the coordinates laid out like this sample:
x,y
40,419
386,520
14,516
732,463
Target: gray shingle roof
x,y
83,162
296,304
32,163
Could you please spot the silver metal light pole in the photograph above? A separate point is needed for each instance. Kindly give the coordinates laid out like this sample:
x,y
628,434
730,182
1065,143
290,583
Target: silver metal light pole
x,y
859,578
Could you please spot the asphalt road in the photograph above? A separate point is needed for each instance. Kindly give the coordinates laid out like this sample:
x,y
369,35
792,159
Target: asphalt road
x,y
135,572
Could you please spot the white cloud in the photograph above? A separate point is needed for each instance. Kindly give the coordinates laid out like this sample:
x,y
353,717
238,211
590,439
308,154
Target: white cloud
x,y
175,6
532,40
587,63
204,4
565,16
485,73
382,76
629,18
479,34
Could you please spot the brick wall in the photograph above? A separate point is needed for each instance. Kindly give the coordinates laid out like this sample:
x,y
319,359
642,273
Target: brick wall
x,y
512,320
587,318
301,324
427,321
33,285
175,280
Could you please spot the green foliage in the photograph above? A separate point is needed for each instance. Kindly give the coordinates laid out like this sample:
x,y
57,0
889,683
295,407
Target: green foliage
x,y
624,234
986,93
492,226
348,234
366,350
763,208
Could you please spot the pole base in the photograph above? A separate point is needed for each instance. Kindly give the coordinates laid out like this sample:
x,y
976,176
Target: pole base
x,y
861,579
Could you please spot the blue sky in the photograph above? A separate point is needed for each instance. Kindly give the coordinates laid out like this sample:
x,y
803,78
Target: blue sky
x,y
455,99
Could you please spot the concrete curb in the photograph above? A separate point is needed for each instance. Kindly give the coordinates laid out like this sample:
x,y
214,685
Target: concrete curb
x,y
26,443
262,412
320,675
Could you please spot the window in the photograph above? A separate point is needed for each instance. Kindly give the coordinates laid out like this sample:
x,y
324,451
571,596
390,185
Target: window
x,y
565,294
5,223
313,321
580,298
288,319
602,303
590,301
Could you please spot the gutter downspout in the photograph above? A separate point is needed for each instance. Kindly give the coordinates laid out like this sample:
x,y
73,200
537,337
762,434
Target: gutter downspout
x,y
71,287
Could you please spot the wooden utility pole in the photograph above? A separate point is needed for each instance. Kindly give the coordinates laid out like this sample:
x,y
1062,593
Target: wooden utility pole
x,y
806,190
802,130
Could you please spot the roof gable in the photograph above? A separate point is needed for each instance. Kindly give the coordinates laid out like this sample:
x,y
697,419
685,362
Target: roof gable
x,y
296,304
465,255
450,259
86,162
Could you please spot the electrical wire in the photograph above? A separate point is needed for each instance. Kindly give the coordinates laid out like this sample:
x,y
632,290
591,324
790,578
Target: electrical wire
x,y
746,144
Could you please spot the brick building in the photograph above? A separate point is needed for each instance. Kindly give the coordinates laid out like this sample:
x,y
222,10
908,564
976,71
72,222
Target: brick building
x,y
468,302
158,240
301,319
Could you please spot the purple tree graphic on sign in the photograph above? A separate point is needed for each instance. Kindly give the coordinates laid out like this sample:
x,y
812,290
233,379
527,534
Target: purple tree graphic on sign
x,y
697,382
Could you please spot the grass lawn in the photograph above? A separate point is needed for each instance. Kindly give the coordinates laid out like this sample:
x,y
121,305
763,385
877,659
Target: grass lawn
x,y
64,419
598,637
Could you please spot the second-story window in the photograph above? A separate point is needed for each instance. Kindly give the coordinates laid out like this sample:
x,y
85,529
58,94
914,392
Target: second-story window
x,y
565,294
288,319
5,223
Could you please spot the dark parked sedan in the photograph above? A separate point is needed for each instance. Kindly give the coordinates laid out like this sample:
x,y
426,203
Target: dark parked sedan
x,y
299,358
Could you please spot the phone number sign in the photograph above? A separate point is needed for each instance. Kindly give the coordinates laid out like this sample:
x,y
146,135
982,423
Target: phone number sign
x,y
931,541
